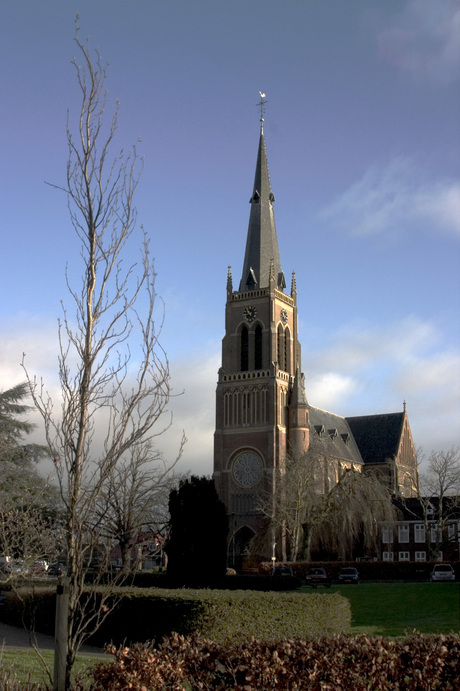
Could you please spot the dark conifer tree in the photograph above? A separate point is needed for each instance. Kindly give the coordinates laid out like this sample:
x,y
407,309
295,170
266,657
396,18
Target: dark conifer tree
x,y
197,546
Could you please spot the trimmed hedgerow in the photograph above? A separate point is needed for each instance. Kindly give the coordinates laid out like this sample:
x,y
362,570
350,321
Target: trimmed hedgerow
x,y
221,615
142,615
31,607
237,582
416,663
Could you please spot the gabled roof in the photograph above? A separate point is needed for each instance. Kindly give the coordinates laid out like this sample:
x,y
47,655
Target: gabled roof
x,y
377,436
333,434
262,242
412,508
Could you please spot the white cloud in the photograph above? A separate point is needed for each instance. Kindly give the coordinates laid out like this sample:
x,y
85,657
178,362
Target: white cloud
x,y
330,390
394,198
193,410
424,41
366,369
360,369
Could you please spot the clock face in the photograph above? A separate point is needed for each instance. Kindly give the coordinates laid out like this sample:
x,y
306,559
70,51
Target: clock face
x,y
247,469
250,313
284,316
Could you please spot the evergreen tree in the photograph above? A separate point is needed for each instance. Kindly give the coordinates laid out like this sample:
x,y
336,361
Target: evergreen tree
x,y
197,546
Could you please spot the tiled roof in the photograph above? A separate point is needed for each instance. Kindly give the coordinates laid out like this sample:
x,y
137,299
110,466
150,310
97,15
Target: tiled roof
x,y
377,436
411,508
334,434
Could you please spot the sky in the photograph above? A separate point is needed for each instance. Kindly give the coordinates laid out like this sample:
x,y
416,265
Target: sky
x,y
362,128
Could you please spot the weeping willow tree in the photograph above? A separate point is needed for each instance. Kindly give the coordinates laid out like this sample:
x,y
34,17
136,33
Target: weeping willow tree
x,y
314,507
354,510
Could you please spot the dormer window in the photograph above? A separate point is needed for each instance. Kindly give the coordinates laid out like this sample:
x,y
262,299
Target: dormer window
x,y
346,438
255,197
319,429
251,280
332,433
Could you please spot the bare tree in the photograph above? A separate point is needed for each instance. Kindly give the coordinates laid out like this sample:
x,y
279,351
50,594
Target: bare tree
x,y
439,496
114,375
135,498
295,507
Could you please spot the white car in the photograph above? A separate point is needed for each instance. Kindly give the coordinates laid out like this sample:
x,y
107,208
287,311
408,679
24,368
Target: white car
x,y
442,572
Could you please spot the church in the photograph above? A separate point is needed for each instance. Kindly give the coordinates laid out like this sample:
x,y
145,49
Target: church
x,y
262,411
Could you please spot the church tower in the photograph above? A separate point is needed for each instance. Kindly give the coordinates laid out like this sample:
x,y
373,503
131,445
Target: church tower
x,y
261,407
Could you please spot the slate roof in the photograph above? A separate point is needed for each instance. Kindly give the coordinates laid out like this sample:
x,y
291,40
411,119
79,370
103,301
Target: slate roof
x,y
411,508
377,436
335,434
262,242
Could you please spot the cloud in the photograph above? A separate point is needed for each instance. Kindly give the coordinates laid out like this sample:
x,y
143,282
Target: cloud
x,y
193,379
194,410
365,369
424,41
329,390
396,197
360,369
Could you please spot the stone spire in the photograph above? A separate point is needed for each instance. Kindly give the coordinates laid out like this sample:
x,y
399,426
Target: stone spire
x,y
262,242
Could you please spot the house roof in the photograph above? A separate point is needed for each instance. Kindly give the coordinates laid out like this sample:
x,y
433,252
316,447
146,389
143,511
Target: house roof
x,y
377,436
335,435
412,508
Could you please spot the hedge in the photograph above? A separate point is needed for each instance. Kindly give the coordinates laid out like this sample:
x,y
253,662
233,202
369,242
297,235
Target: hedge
x,y
264,581
143,615
416,663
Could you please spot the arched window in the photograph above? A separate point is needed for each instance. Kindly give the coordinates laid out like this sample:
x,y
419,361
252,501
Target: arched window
x,y
244,349
258,348
281,353
287,350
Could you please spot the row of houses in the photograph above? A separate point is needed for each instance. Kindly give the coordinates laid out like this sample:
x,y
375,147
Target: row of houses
x,y
423,532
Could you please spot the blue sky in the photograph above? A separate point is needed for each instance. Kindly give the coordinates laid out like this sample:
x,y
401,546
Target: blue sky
x,y
362,132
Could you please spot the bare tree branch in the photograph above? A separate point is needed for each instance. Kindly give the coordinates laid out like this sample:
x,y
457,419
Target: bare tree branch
x,y
114,375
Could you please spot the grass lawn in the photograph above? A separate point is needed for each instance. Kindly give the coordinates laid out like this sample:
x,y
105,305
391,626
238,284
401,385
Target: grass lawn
x,y
25,665
391,609
388,609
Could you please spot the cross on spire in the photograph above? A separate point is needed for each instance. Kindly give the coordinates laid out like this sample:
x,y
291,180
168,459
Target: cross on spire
x,y
261,106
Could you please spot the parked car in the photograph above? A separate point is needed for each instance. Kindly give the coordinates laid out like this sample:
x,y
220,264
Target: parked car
x,y
38,568
348,575
317,576
283,571
5,565
442,572
57,569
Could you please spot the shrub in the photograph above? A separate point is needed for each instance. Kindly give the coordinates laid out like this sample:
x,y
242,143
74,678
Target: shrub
x,y
32,608
416,663
229,582
218,614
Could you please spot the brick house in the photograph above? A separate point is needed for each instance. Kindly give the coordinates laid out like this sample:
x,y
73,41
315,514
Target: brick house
x,y
422,533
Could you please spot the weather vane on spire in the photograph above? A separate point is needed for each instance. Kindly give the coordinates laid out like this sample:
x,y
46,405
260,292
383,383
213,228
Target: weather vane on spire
x,y
261,105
